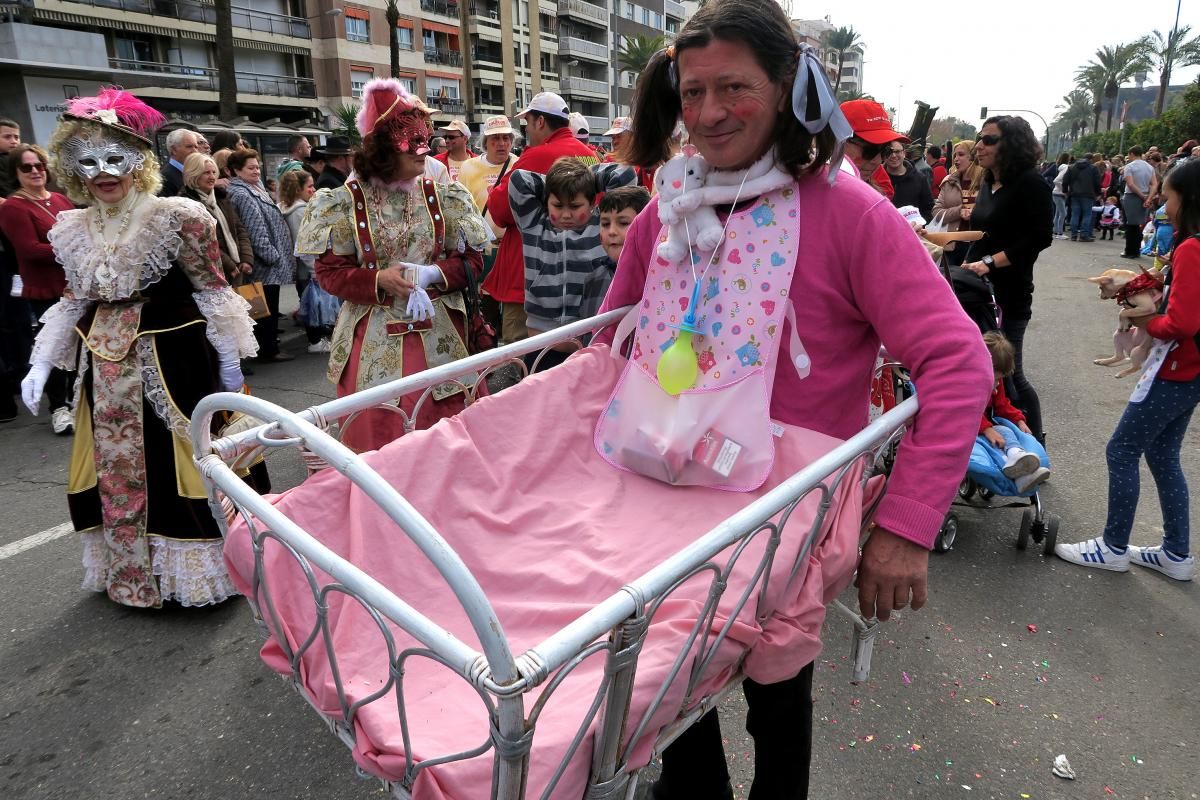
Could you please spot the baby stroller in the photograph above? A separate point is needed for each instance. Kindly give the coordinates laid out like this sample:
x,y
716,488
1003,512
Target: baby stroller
x,y
978,299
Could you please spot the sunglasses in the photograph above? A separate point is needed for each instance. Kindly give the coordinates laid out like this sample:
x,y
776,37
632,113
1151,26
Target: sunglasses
x,y
869,150
991,140
27,168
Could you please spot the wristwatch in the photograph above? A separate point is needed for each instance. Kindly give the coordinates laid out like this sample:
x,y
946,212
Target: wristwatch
x,y
989,262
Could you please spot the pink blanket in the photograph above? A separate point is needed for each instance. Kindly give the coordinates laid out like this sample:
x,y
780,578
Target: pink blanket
x,y
549,529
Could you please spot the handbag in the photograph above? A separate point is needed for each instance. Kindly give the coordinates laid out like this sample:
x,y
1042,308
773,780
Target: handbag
x,y
253,294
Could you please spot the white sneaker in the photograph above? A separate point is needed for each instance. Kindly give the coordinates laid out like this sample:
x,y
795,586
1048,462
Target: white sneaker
x,y
1035,478
1156,558
1093,553
1020,462
62,421
322,346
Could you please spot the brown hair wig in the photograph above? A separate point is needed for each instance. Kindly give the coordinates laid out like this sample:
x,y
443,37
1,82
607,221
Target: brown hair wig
x,y
764,28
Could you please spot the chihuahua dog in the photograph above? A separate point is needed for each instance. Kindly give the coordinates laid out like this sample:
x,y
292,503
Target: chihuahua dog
x,y
1138,296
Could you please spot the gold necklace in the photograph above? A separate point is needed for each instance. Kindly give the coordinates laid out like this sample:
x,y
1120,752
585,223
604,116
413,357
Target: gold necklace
x,y
395,237
111,247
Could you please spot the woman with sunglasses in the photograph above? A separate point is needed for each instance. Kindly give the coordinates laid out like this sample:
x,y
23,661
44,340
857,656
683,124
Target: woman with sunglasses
x,y
26,220
1015,212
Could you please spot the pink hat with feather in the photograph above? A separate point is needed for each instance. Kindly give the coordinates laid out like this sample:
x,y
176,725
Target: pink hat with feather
x,y
389,110
119,110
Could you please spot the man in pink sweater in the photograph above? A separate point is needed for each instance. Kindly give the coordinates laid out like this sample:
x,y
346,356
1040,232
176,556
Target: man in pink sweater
x,y
863,278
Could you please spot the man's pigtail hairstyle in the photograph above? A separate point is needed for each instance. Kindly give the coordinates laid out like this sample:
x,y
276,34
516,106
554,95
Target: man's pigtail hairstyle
x,y
656,110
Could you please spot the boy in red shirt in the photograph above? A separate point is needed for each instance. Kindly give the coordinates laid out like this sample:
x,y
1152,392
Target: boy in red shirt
x,y
1006,458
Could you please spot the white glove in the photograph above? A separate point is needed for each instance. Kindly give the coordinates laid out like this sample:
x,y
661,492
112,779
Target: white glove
x,y
427,274
230,365
33,384
420,307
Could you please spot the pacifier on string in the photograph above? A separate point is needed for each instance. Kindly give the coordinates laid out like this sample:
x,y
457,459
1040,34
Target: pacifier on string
x,y
679,367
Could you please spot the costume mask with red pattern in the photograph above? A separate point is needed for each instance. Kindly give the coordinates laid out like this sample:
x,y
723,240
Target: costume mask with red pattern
x,y
389,110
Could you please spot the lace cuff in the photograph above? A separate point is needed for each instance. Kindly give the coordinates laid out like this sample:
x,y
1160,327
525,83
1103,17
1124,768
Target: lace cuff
x,y
57,343
228,316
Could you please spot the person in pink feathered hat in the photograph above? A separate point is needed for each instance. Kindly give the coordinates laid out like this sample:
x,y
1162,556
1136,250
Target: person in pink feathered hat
x,y
150,323
403,253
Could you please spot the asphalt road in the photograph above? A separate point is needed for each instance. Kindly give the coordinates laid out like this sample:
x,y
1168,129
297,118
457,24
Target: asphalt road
x,y
965,699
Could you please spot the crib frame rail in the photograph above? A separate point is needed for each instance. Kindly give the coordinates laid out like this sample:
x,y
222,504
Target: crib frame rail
x,y
614,630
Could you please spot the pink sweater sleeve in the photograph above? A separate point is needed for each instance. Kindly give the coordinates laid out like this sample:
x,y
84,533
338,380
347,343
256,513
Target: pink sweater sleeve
x,y
921,324
629,281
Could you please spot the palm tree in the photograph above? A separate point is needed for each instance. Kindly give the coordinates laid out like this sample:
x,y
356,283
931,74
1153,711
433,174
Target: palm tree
x,y
1091,80
392,14
226,65
1077,108
1168,52
347,122
636,51
1117,63
841,40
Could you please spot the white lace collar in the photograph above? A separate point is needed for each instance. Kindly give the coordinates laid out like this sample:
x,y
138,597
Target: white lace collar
x,y
140,260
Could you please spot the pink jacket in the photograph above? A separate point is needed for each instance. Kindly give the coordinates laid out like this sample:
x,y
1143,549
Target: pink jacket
x,y
863,278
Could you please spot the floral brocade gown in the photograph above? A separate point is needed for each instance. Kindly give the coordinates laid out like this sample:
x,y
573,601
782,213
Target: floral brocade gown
x,y
138,320
375,340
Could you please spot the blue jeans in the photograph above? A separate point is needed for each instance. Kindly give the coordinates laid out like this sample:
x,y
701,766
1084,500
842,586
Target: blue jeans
x,y
1154,427
1060,213
1081,217
987,461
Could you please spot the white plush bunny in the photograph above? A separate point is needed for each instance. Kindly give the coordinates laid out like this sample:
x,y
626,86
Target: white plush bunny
x,y
680,182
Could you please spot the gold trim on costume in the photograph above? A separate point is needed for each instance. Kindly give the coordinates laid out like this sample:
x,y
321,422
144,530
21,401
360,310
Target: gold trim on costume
x,y
82,470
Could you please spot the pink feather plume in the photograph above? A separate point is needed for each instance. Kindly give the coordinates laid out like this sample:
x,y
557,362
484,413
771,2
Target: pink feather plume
x,y
131,112
378,96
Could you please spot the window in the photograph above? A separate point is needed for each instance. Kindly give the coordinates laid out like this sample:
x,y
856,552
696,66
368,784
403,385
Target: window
x,y
131,49
405,37
409,84
672,26
627,10
630,79
442,87
430,40
645,15
658,20
358,79
357,28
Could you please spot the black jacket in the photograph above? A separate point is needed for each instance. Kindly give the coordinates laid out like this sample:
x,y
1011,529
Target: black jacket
x,y
1018,220
912,189
331,177
1082,180
6,183
172,180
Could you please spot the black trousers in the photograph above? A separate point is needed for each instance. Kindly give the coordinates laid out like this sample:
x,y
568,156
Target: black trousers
x,y
1133,240
61,383
266,330
779,719
1026,398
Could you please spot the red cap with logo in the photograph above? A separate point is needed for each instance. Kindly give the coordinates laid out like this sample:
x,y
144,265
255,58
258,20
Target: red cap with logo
x,y
870,122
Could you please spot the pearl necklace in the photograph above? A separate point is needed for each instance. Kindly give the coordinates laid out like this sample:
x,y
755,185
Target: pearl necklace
x,y
396,237
110,247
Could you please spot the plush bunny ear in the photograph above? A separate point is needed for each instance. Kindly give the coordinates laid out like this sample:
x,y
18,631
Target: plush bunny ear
x,y
690,150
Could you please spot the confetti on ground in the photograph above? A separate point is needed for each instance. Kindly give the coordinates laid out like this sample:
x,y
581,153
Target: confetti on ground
x,y
1108,790
907,680
1031,628
914,747
1045,663
870,737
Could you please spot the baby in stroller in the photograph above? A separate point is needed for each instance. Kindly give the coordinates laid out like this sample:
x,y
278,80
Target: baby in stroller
x,y
1006,458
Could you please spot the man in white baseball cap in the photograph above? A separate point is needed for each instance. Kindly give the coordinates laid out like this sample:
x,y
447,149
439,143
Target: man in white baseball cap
x,y
457,136
620,130
480,174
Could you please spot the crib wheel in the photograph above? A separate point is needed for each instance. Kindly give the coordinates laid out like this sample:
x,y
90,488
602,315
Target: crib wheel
x,y
1026,526
986,494
1051,534
967,489
946,536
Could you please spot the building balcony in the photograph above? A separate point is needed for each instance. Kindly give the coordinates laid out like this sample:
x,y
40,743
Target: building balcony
x,y
447,105
484,11
486,59
579,9
585,87
570,47
207,79
444,7
597,125
195,11
674,9
442,55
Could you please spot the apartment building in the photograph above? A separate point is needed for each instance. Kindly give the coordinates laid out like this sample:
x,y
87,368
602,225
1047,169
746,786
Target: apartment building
x,y
812,32
639,18
513,53
51,50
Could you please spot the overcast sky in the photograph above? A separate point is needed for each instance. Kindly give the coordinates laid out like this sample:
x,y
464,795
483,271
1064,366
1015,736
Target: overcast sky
x,y
998,53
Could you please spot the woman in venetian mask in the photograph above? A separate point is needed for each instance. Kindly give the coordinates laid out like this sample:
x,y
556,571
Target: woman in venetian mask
x,y
396,247
160,328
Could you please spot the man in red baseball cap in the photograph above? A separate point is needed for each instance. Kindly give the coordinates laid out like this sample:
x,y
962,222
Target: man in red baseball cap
x,y
872,134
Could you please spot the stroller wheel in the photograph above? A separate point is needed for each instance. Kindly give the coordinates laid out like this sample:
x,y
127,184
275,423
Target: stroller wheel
x,y
986,494
946,536
1026,526
1051,534
967,489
